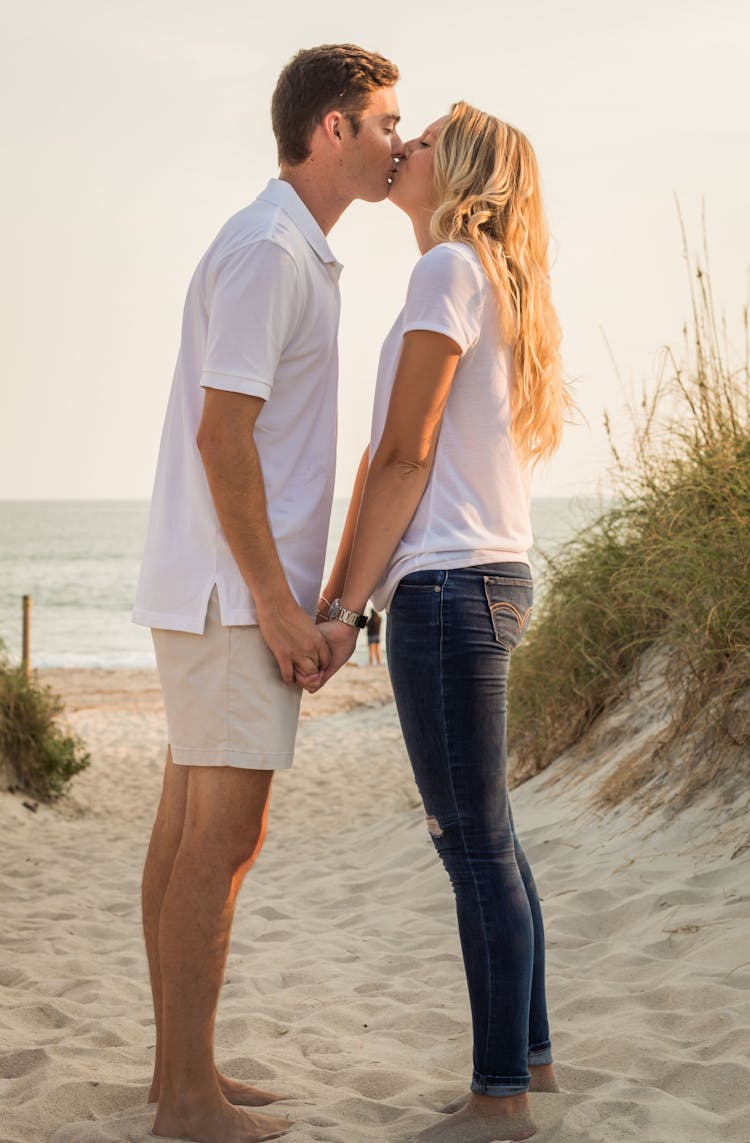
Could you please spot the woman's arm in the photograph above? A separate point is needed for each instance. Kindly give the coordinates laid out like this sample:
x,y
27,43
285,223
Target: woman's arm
x,y
398,474
403,461
335,584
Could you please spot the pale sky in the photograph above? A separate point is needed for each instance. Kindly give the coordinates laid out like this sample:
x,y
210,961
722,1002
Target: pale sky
x,y
134,128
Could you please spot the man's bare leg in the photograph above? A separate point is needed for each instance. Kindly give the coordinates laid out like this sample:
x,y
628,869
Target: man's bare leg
x,y
222,833
162,850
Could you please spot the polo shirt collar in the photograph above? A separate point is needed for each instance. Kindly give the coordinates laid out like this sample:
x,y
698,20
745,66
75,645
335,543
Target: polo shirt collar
x,y
283,194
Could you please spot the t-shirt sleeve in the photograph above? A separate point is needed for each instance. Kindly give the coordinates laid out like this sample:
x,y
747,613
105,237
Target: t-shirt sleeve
x,y
445,295
255,303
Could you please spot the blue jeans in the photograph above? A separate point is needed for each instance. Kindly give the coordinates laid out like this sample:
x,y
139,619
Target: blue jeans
x,y
449,636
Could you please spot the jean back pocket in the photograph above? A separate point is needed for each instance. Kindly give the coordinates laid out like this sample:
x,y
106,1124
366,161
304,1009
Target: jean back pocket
x,y
510,603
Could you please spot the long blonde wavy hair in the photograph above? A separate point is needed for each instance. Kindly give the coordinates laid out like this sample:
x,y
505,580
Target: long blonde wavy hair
x,y
487,182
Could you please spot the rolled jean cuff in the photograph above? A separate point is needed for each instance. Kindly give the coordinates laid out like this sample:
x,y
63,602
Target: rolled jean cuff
x,y
500,1085
540,1054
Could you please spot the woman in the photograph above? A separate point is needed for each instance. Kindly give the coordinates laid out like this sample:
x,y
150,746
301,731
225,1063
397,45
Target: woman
x,y
469,396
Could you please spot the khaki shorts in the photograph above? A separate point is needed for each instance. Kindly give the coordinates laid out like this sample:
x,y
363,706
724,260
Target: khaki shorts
x,y
225,700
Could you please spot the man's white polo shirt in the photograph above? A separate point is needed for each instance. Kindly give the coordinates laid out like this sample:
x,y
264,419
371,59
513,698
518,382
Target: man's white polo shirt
x,y
261,317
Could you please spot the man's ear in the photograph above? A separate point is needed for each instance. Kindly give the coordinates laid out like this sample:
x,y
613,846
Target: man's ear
x,y
332,125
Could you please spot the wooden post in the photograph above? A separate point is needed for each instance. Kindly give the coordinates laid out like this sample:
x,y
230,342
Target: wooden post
x,y
26,643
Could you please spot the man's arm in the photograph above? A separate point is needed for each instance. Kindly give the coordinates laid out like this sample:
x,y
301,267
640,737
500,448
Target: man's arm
x,y
230,458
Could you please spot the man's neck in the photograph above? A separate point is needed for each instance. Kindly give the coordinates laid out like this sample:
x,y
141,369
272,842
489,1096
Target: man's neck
x,y
320,198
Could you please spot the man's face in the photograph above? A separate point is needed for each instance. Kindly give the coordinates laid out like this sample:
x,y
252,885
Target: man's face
x,y
368,158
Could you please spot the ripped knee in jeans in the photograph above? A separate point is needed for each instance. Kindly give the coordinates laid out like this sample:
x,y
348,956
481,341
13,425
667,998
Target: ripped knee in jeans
x,y
434,827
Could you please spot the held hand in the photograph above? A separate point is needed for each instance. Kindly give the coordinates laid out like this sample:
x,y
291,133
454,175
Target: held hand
x,y
296,643
341,640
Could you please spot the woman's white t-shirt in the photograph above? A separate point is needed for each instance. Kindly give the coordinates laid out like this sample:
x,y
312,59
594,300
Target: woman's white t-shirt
x,y
475,508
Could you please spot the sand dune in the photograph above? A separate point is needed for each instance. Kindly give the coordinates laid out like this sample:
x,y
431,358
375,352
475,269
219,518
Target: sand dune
x,y
344,985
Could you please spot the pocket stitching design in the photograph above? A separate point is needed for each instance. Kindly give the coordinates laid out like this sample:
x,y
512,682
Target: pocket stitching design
x,y
506,605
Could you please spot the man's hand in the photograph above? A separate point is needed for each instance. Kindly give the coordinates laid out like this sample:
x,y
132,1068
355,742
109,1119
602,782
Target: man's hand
x,y
341,640
296,643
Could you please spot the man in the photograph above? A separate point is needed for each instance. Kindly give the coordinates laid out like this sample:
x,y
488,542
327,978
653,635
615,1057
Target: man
x,y
235,550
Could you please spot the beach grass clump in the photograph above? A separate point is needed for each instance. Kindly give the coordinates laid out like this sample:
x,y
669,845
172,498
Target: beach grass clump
x,y
38,755
667,564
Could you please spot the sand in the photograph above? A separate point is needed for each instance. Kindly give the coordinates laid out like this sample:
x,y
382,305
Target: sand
x,y
344,984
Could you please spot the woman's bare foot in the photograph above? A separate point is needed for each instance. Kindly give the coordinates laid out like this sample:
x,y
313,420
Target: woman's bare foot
x,y
235,1092
543,1078
218,1122
484,1119
455,1104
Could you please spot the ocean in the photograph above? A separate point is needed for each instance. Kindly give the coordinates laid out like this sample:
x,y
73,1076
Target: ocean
x,y
78,560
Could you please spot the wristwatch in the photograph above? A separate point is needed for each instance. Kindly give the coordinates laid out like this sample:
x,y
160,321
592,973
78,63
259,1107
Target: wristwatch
x,y
344,615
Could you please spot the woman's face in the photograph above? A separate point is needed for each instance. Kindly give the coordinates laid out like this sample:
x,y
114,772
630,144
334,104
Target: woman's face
x,y
413,188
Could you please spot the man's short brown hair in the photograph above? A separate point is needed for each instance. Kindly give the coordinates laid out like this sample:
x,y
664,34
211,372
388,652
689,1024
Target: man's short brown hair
x,y
319,80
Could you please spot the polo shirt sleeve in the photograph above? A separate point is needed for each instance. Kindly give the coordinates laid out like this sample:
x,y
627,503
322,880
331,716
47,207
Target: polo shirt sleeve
x,y
255,303
446,295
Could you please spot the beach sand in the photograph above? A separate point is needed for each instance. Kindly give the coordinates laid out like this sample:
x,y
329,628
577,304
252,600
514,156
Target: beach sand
x,y
344,985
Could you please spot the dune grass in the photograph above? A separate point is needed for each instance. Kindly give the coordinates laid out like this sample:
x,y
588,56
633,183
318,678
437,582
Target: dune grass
x,y
667,563
39,756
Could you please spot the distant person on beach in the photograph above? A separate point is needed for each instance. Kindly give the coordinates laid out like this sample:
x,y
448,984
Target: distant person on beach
x,y
470,395
373,638
235,549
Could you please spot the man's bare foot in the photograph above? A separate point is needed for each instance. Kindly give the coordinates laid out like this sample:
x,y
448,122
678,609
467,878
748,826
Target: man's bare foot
x,y
235,1092
543,1078
217,1123
245,1095
484,1119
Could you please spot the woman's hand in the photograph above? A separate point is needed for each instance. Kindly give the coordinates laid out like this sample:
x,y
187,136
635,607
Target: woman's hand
x,y
341,640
